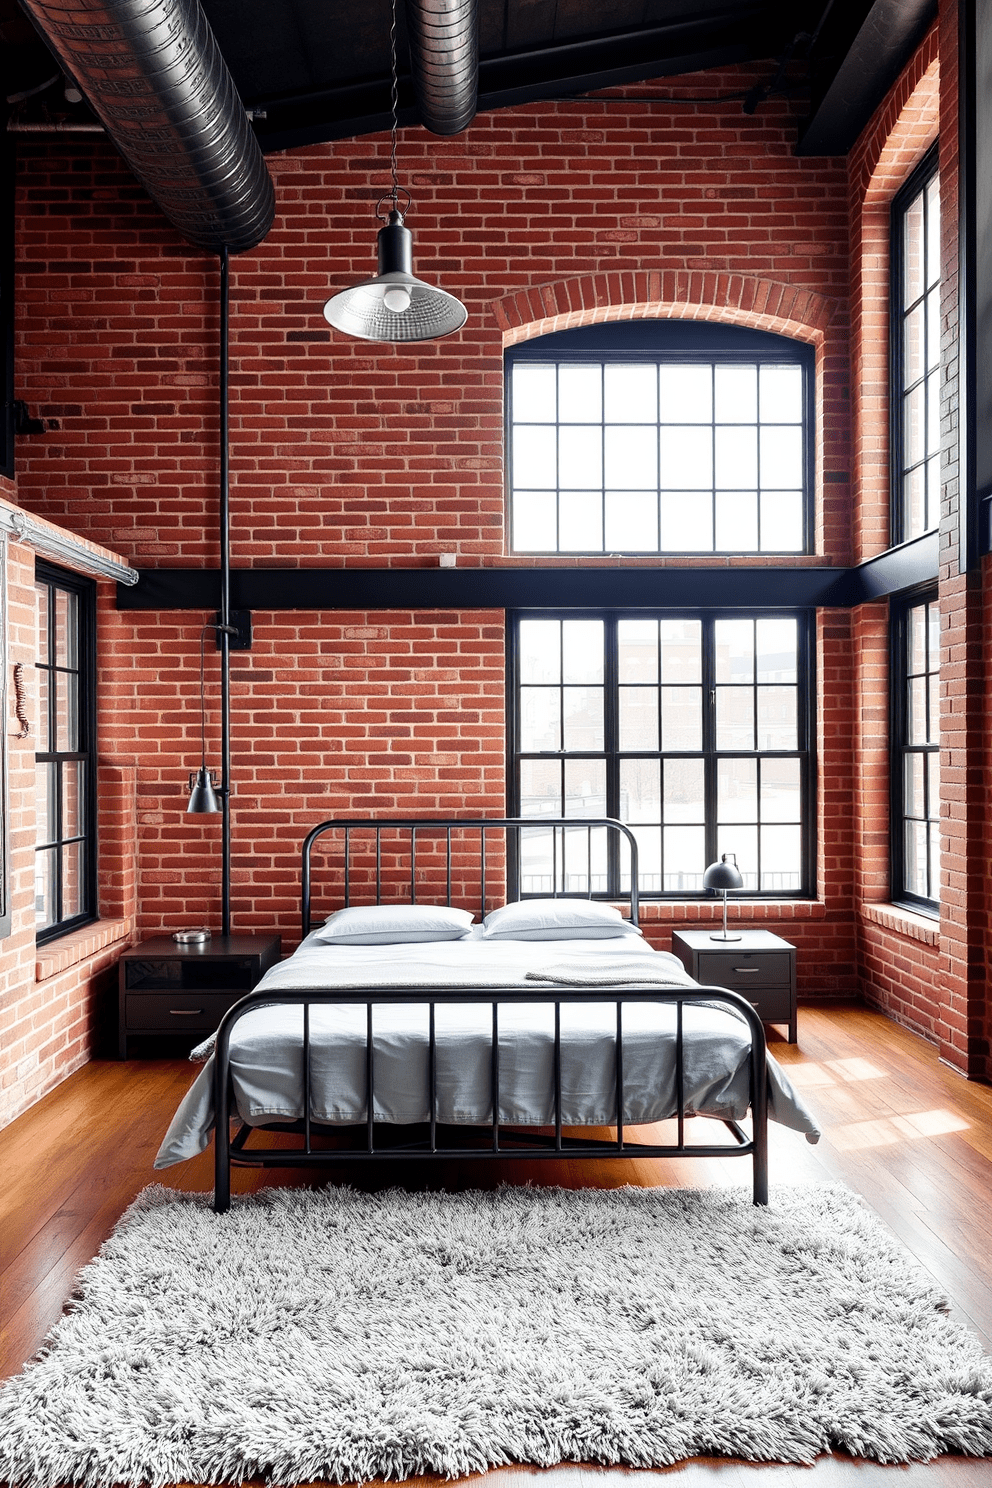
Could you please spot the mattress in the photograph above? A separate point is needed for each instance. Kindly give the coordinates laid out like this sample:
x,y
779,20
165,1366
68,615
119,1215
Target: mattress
x,y
266,1046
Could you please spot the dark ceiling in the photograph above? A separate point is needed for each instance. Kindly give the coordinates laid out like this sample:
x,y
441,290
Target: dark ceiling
x,y
314,70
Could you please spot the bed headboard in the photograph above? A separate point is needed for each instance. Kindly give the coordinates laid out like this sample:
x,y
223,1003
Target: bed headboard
x,y
431,860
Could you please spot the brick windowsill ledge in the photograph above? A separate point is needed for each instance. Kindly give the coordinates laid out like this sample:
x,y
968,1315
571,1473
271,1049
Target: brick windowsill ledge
x,y
743,911
69,950
903,922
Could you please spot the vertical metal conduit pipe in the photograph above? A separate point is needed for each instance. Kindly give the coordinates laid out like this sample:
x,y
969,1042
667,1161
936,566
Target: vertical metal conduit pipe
x,y
224,627
153,73
444,57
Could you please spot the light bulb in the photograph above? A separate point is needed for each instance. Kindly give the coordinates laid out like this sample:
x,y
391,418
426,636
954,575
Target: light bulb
x,y
397,299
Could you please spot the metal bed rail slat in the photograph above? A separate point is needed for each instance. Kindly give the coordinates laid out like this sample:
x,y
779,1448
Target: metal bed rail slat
x,y
619,1073
508,825
494,1082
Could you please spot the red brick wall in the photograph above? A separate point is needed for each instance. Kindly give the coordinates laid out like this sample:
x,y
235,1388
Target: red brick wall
x,y
54,1004
928,975
346,453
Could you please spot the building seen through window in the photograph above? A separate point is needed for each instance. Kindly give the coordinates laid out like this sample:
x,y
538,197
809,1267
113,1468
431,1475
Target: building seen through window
x,y
692,729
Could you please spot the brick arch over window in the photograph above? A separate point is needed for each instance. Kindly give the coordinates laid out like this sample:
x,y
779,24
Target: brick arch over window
x,y
729,299
665,294
891,148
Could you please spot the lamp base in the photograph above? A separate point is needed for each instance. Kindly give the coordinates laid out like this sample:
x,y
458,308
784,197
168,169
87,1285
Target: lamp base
x,y
722,935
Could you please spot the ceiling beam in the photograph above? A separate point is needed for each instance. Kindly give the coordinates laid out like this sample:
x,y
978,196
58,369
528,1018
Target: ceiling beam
x,y
853,89
510,79
473,588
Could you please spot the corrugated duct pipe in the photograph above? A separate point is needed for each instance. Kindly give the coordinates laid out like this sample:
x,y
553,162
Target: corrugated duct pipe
x,y
153,73
444,56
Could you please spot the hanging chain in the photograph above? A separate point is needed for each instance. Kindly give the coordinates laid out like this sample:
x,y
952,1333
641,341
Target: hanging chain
x,y
396,190
394,99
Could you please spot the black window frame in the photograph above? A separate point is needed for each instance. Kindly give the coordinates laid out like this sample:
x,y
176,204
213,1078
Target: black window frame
x,y
7,181
85,590
925,171
806,732
670,341
899,610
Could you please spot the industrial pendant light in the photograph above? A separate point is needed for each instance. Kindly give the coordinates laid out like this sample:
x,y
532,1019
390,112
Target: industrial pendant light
x,y
395,306
203,794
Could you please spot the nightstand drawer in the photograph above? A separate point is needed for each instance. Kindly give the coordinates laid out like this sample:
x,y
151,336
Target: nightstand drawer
x,y
773,1004
179,1011
167,974
741,970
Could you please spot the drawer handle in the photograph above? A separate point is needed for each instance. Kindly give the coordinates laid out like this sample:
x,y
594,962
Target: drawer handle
x,y
185,1012
747,970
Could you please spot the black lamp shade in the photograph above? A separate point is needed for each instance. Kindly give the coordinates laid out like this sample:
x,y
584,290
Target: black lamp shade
x,y
202,797
722,875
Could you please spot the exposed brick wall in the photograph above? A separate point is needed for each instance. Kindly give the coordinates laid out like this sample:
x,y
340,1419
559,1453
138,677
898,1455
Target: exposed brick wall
x,y
345,453
53,1009
350,453
895,140
930,977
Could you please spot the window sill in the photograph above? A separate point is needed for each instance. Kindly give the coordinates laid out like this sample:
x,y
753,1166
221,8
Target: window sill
x,y
58,955
738,910
919,927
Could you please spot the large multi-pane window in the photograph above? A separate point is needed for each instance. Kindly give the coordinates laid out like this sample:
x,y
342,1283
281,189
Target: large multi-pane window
x,y
677,449
64,784
916,754
916,352
693,729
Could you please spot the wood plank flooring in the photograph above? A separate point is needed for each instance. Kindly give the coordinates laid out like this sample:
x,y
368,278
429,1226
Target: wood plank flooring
x,y
909,1134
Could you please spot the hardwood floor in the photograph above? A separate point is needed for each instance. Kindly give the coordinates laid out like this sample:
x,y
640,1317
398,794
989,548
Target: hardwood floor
x,y
907,1133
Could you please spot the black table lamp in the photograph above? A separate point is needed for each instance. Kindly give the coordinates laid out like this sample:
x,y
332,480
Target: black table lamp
x,y
723,875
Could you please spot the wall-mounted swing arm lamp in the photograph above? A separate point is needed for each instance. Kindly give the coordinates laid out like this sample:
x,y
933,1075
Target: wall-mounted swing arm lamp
x,y
724,875
204,791
394,305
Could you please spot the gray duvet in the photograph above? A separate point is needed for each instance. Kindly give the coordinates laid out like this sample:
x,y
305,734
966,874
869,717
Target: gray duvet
x,y
266,1046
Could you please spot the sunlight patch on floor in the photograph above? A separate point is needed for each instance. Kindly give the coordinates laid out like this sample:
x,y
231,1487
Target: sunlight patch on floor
x,y
888,1130
812,1076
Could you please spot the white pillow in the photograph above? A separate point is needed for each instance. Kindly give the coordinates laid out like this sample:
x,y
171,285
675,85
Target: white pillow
x,y
393,924
556,919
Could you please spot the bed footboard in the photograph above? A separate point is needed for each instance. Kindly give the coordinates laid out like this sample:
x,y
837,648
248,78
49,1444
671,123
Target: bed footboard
x,y
498,1139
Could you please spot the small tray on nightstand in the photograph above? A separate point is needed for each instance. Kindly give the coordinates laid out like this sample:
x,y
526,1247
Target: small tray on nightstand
x,y
168,988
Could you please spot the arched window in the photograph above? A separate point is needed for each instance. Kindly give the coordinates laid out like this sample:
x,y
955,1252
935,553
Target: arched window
x,y
660,437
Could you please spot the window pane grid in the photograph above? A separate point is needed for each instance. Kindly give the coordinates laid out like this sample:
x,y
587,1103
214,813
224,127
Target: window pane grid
x,y
63,876
690,798
679,455
916,353
916,795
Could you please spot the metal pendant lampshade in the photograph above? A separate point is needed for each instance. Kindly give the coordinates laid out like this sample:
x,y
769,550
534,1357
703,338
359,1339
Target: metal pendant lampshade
x,y
395,306
202,796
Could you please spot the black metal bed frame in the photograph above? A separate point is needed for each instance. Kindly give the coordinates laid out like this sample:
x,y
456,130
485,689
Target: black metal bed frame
x,y
433,1140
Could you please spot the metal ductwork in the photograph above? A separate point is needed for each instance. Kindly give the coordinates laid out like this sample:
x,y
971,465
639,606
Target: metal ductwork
x,y
444,55
153,73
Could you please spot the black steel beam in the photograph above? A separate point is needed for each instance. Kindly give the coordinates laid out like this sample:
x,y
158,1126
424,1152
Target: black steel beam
x,y
537,588
855,87
735,35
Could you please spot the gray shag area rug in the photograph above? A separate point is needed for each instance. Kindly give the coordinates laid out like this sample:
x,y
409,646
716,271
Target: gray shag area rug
x,y
337,1335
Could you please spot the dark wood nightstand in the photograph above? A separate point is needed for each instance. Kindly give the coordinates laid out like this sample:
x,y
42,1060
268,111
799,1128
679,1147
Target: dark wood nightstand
x,y
165,988
760,965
